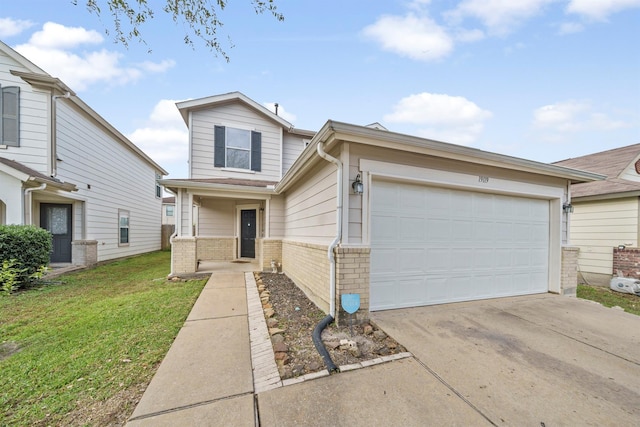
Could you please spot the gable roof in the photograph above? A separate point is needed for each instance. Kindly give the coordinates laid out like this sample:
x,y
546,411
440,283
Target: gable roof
x,y
211,101
611,163
37,77
25,173
332,132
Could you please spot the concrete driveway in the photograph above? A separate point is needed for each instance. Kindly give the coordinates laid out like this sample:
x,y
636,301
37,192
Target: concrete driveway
x,y
540,360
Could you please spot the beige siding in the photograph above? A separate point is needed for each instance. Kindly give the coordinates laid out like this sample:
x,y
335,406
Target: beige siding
x,y
216,218
111,178
292,146
276,217
310,207
630,173
598,226
238,116
11,200
34,126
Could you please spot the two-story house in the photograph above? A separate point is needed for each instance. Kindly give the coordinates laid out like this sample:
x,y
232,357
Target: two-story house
x,y
66,169
400,220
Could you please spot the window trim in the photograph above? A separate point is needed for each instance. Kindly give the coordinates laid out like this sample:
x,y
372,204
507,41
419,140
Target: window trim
x,y
221,148
4,118
122,213
166,210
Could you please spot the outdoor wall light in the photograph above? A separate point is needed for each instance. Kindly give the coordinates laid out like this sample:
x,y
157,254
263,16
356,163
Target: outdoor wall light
x,y
567,208
357,186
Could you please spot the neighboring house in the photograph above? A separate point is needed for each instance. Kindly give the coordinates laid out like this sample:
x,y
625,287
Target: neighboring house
x,y
400,220
606,214
66,169
168,210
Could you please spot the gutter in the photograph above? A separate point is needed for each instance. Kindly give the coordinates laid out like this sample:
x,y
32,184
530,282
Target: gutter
x,y
331,367
27,203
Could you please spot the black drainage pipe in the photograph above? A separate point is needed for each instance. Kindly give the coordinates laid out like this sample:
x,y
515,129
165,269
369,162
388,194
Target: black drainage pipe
x,y
317,341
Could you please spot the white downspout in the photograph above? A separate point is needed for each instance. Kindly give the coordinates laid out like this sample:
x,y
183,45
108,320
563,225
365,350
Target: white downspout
x,y
28,220
175,230
338,238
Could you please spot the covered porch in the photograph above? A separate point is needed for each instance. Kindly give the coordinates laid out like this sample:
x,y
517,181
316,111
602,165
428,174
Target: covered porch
x,y
226,221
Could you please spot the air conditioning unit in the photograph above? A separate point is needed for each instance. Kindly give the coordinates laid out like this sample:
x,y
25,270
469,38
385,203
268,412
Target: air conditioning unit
x,y
625,285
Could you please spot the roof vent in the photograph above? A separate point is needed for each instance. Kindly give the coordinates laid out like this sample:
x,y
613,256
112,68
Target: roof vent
x,y
637,165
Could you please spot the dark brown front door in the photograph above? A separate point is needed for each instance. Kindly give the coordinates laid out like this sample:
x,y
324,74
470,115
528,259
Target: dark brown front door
x,y
56,218
248,233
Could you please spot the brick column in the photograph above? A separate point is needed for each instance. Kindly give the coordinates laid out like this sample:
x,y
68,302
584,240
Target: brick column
x,y
352,277
183,255
84,252
569,275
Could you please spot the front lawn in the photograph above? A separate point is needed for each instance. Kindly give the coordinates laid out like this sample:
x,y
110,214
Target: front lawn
x,y
608,298
81,352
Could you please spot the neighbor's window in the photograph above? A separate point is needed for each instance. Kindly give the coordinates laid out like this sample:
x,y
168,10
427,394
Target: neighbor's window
x,y
158,186
169,210
9,112
123,227
237,148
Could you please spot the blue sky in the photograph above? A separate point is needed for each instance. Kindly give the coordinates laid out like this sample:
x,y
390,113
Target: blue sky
x,y
540,79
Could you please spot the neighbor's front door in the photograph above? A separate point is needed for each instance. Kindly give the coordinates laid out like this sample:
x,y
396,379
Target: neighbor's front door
x,y
248,233
56,218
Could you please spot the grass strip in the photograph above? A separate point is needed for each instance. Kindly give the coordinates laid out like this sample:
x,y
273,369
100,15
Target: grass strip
x,y
608,298
100,333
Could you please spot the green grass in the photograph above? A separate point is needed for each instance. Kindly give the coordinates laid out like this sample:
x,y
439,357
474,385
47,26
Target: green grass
x,y
100,333
608,298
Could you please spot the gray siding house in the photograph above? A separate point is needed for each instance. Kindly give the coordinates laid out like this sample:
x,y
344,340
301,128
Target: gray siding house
x,y
66,169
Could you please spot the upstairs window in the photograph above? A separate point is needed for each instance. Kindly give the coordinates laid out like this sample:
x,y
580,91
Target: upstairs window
x,y
169,210
237,148
10,114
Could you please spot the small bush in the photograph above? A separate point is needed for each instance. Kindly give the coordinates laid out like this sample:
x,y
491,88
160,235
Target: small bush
x,y
24,253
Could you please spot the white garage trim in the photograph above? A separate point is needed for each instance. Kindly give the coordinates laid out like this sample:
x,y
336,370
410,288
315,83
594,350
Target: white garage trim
x,y
473,183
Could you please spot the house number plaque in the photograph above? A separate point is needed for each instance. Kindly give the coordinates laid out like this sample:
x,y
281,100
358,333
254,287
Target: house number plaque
x,y
483,179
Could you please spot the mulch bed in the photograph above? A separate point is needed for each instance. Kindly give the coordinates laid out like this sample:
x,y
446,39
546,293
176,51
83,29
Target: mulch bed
x,y
293,321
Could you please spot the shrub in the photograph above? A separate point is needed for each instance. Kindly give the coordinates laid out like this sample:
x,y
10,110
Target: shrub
x,y
24,252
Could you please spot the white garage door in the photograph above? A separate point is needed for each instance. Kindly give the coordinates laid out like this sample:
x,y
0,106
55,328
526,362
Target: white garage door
x,y
434,245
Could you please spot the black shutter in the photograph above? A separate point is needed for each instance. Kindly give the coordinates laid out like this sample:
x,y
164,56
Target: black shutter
x,y
218,147
10,112
256,151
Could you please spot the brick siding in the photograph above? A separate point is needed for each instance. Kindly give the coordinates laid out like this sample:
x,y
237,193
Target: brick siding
x,y
569,273
307,265
626,260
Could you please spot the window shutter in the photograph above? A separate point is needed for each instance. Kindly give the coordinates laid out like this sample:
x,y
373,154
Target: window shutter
x,y
10,115
256,151
218,147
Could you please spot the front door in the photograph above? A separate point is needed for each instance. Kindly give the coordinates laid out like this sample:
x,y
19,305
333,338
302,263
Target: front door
x,y
248,233
56,218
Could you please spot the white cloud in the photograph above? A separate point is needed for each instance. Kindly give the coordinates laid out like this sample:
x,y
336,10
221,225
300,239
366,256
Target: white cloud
x,y
11,27
439,116
570,28
52,50
499,16
57,36
271,106
165,138
573,116
416,37
600,10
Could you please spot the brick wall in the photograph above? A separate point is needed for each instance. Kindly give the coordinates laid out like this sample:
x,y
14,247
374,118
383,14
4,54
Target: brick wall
x,y
352,277
84,252
183,255
307,265
269,249
216,248
627,260
569,272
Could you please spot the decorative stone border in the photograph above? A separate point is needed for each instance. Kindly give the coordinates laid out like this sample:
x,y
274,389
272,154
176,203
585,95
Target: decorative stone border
x,y
265,371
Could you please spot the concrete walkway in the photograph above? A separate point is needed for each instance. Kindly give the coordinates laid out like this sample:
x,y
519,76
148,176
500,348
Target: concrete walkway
x,y
206,377
220,371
